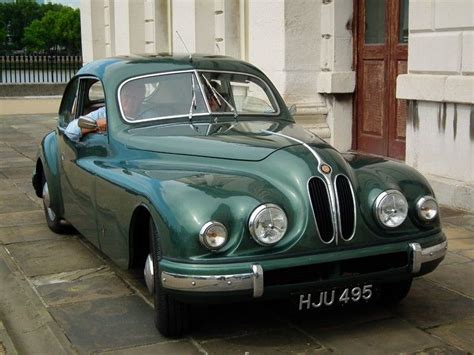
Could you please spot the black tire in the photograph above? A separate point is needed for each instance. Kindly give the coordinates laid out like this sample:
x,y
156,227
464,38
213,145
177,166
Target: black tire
x,y
53,221
172,318
393,293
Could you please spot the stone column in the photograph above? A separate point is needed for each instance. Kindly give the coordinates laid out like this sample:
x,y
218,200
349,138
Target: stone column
x,y
129,29
336,81
92,30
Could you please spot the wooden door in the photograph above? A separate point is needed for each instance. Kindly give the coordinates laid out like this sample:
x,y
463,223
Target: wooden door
x,y
381,48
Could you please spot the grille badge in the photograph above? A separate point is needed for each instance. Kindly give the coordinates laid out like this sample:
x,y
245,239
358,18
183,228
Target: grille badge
x,y
326,169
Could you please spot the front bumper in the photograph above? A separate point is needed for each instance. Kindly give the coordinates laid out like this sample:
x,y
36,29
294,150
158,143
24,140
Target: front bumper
x,y
253,280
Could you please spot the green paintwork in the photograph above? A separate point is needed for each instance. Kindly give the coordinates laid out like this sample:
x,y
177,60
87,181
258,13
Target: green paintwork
x,y
187,175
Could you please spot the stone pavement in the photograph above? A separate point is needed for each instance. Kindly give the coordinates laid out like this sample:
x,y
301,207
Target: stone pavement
x,y
60,295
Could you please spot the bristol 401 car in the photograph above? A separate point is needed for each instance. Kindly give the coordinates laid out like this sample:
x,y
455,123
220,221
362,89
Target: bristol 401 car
x,y
193,170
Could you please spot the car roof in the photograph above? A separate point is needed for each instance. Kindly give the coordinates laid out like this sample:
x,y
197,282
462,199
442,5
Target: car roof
x,y
115,70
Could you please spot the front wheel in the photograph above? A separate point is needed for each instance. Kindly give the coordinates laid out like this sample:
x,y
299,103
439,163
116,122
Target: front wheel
x,y
172,318
53,221
394,292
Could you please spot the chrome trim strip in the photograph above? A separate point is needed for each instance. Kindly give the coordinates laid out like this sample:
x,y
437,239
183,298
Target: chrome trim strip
x,y
339,211
254,76
208,283
257,272
327,177
421,256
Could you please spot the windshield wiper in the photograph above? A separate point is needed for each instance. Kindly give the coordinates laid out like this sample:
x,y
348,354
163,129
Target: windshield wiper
x,y
217,95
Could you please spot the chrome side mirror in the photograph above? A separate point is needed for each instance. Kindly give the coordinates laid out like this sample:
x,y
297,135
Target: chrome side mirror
x,y
292,109
86,122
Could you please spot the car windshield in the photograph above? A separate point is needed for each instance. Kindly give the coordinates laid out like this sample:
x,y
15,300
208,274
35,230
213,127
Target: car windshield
x,y
237,93
180,94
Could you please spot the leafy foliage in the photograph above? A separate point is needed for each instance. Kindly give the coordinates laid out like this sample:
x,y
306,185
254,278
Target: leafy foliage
x,y
26,25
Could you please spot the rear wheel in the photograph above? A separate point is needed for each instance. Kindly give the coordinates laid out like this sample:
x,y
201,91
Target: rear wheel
x,y
393,293
53,221
172,318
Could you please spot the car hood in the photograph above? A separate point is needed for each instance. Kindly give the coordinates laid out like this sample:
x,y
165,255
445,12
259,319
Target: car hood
x,y
243,140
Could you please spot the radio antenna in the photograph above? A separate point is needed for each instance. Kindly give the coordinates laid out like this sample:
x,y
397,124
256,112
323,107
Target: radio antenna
x,y
184,44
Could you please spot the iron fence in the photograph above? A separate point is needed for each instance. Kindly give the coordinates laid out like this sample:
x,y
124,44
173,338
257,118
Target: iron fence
x,y
16,69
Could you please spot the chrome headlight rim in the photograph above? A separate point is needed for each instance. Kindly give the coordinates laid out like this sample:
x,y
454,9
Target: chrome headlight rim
x,y
253,218
419,204
203,232
378,207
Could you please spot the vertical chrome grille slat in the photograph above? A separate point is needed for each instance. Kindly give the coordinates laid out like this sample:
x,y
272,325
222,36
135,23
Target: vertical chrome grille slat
x,y
331,225
319,196
346,204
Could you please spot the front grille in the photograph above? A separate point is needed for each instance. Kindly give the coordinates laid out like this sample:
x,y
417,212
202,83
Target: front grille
x,y
346,206
319,196
335,270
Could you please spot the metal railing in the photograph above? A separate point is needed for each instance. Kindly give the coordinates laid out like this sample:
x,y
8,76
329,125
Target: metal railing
x,y
28,69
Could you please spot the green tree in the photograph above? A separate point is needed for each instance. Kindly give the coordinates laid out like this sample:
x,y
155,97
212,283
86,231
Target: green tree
x,y
58,29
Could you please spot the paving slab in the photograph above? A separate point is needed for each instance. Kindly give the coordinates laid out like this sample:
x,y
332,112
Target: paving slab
x,y
459,334
276,341
53,256
458,277
16,203
454,232
461,244
28,233
6,343
340,317
109,323
18,172
181,347
77,288
389,336
455,258
464,220
15,162
424,310
467,253
226,320
21,218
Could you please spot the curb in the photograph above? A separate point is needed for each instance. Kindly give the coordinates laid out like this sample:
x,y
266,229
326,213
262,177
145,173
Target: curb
x,y
6,344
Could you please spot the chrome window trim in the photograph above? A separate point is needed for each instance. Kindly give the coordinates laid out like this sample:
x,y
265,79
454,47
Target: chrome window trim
x,y
123,83
339,211
201,87
420,201
276,113
334,230
377,206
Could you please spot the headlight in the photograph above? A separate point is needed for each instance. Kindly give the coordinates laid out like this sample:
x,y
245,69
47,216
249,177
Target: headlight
x,y
268,224
213,235
427,208
391,208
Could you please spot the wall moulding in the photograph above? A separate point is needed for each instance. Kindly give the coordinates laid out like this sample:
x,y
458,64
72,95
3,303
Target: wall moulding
x,y
440,88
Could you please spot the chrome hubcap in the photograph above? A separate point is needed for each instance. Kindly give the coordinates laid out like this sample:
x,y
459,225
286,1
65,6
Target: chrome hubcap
x,y
47,202
148,272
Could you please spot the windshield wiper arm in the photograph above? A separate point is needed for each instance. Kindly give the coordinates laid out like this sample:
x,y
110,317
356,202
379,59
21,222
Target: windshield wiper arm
x,y
193,104
217,95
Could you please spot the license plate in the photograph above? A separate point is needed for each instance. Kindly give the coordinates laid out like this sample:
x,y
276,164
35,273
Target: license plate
x,y
327,298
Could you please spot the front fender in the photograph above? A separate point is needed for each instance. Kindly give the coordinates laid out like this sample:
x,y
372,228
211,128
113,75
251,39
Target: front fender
x,y
49,157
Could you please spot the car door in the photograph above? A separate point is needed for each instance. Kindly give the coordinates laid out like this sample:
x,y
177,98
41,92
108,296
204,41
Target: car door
x,y
78,162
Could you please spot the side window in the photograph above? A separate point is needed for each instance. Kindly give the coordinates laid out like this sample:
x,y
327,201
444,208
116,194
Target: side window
x,y
92,94
68,108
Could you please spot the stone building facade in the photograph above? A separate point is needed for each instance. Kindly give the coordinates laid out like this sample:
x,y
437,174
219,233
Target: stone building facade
x,y
337,61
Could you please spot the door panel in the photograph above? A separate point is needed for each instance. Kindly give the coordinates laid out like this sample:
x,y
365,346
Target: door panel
x,y
381,49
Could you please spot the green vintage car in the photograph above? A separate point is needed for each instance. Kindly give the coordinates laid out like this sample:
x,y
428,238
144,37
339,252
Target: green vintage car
x,y
204,181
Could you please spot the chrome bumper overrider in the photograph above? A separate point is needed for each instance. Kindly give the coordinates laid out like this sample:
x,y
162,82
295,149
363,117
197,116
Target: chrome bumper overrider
x,y
421,256
254,280
216,283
